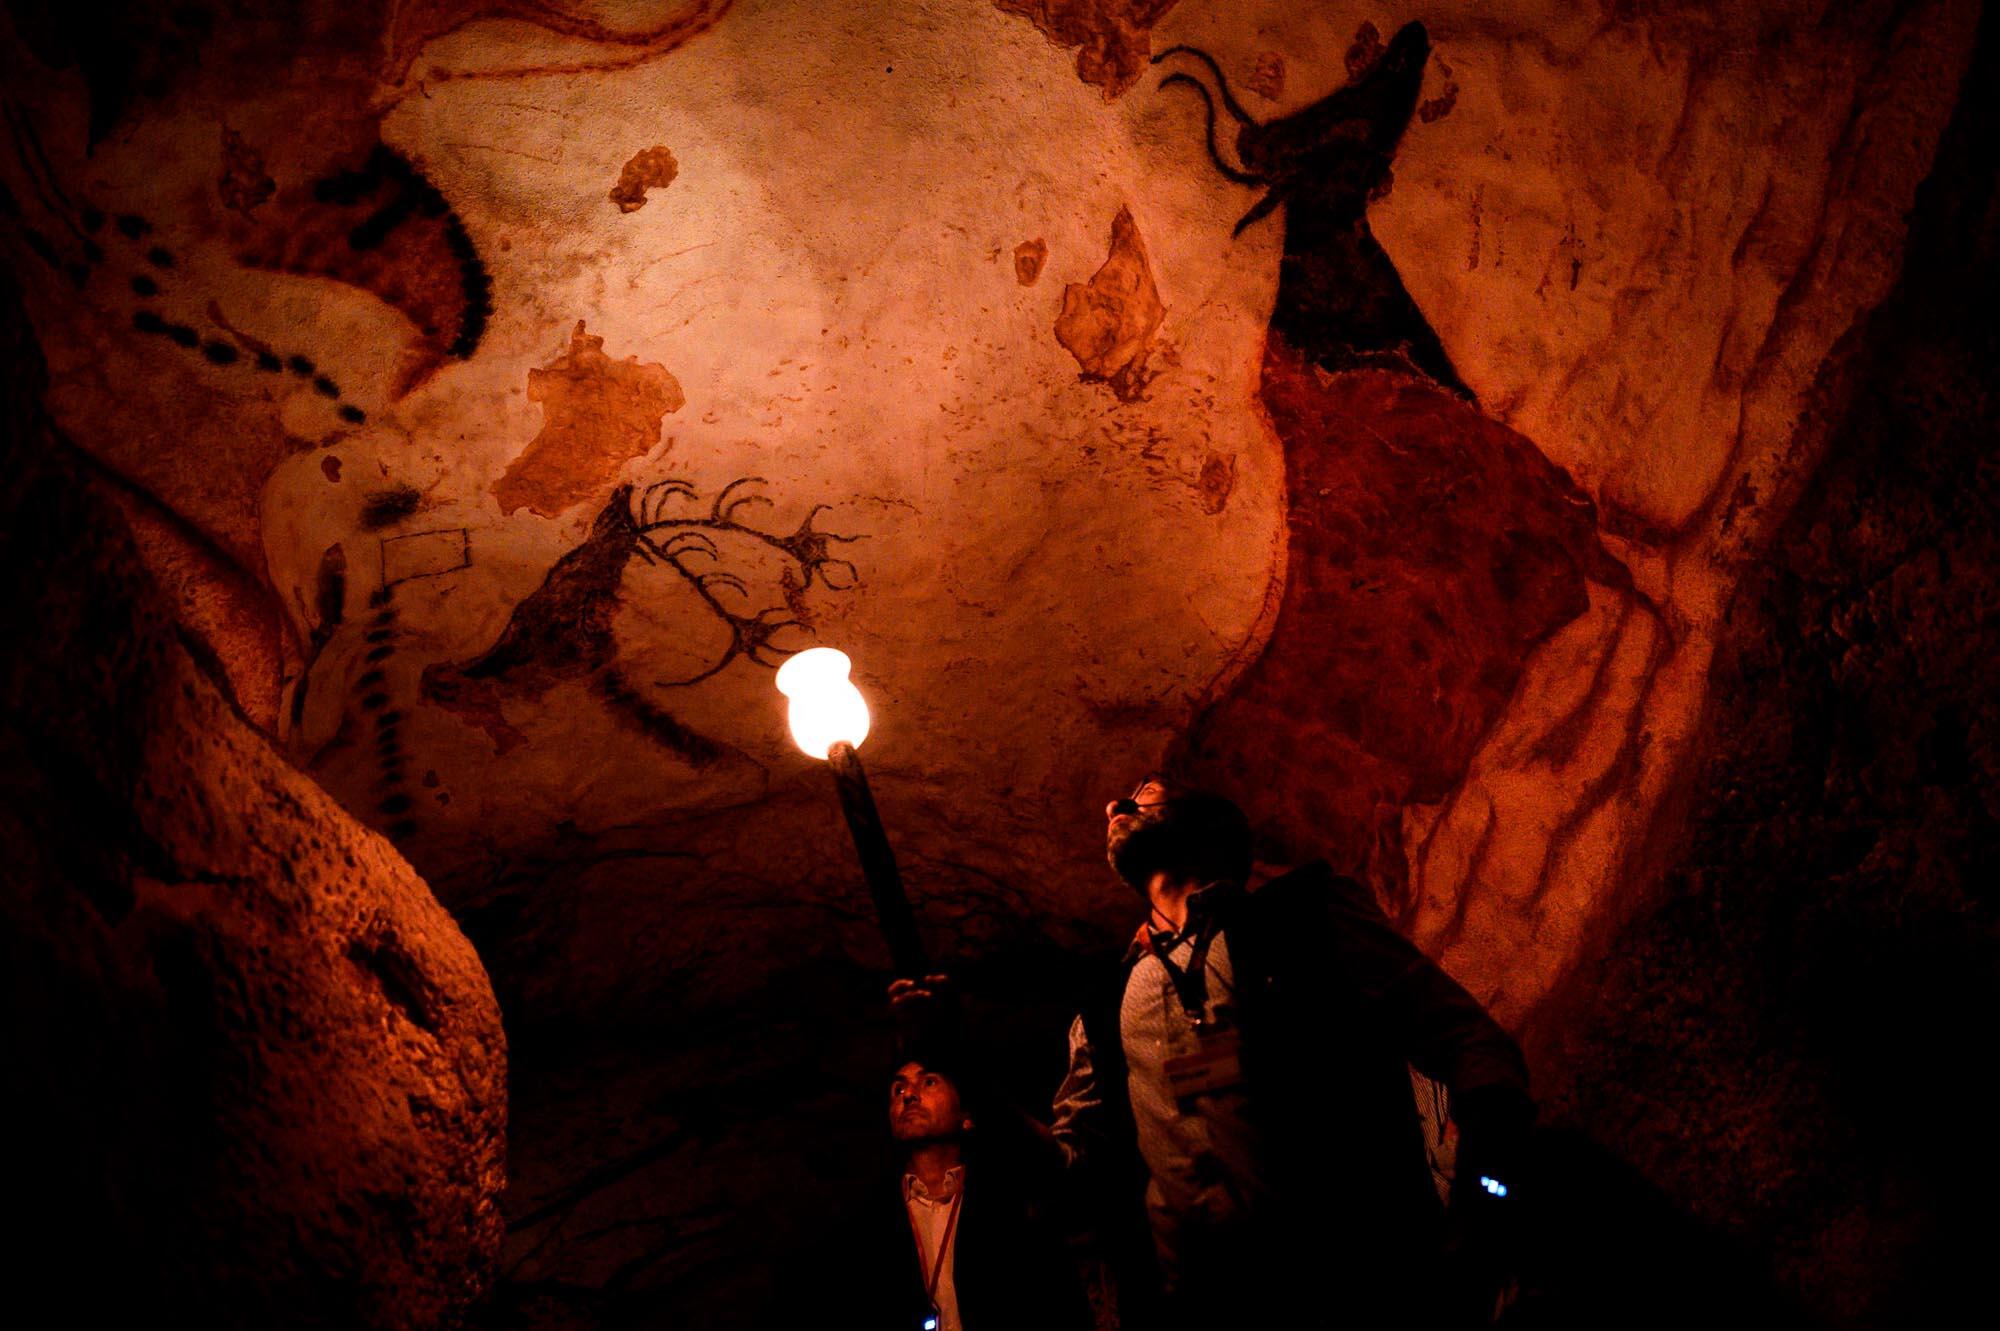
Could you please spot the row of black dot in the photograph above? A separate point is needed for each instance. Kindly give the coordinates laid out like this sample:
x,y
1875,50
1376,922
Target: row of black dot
x,y
413,194
373,687
215,350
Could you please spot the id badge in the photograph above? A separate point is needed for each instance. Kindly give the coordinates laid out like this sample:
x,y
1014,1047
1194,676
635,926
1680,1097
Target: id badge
x,y
1216,1066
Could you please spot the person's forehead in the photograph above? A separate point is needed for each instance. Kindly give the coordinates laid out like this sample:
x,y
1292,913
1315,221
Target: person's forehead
x,y
911,1071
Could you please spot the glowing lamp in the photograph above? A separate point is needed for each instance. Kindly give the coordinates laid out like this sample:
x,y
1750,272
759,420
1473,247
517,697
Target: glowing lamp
x,y
826,709
829,719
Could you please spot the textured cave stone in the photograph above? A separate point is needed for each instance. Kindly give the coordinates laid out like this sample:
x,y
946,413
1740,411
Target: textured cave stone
x,y
1630,234
1599,227
1788,1041
256,1072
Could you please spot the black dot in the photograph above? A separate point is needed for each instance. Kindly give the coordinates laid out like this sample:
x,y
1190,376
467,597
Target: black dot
x,y
380,596
381,635
220,353
379,654
148,322
395,804
375,701
390,719
300,365
369,679
350,412
133,227
266,361
183,335
144,285
326,387
159,258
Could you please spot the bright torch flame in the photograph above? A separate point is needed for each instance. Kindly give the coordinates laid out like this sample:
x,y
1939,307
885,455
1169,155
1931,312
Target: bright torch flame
x,y
826,708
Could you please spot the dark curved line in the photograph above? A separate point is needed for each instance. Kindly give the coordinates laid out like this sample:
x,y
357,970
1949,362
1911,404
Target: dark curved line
x,y
1208,107
1222,84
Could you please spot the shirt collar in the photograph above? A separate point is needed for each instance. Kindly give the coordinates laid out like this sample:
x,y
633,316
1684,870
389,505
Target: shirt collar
x,y
1205,905
914,1189
1211,901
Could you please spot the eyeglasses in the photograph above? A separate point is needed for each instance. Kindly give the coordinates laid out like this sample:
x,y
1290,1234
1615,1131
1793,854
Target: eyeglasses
x,y
1130,804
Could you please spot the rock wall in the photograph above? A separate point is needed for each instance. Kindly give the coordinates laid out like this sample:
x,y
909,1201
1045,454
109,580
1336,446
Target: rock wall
x,y
504,429
1372,410
1785,1039
256,1075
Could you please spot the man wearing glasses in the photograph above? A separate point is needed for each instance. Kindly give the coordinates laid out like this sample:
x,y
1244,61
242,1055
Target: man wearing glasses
x,y
1238,1096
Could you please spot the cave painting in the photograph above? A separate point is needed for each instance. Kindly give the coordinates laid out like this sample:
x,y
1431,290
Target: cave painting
x,y
244,184
259,330
1029,257
1112,36
425,554
122,259
379,225
1108,323
649,169
1432,548
1615,256
565,629
418,25
599,414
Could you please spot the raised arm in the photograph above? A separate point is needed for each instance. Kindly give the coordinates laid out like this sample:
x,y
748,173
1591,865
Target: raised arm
x,y
1437,1025
1079,1128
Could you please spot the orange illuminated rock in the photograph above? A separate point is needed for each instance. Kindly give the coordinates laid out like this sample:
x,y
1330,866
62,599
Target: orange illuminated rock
x,y
1029,256
1432,549
599,414
1114,35
1108,322
265,1072
650,168
244,183
379,224
414,26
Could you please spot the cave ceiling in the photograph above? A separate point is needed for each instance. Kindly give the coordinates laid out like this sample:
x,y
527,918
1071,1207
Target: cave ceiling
x,y
504,388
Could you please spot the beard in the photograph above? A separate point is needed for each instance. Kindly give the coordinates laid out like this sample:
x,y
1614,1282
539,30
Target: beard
x,y
1140,848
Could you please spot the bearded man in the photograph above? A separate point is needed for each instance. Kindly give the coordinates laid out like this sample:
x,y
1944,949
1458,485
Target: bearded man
x,y
1238,1088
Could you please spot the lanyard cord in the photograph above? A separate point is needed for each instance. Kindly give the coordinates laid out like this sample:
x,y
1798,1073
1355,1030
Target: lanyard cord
x,y
1191,985
944,1245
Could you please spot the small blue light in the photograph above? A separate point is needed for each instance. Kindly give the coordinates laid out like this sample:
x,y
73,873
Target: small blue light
x,y
930,1324
1486,1181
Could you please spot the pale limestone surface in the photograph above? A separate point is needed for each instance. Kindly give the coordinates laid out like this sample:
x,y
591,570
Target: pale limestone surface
x,y
1638,236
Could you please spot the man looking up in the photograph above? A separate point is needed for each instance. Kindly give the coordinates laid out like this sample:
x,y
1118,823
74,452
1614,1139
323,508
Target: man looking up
x,y
927,1119
956,1245
1243,1075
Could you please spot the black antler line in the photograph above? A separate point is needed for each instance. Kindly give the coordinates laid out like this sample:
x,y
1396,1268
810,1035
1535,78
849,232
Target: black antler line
x,y
1222,84
1208,107
750,635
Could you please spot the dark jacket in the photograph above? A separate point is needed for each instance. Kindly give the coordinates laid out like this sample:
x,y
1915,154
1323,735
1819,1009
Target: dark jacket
x,y
1010,1267
1334,1004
